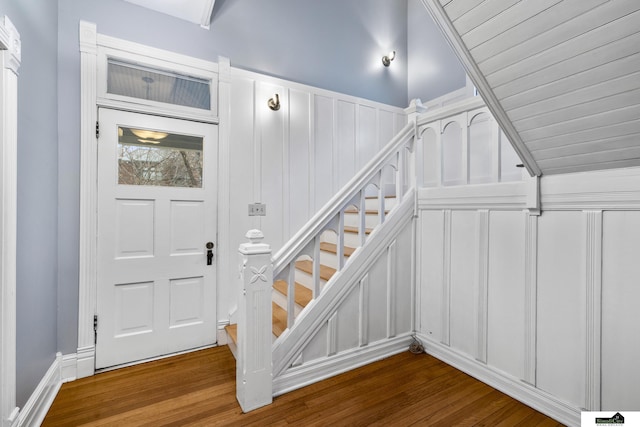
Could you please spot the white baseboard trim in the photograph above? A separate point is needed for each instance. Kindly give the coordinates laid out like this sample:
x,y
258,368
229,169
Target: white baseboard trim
x,y
36,408
221,335
69,368
519,390
312,372
86,361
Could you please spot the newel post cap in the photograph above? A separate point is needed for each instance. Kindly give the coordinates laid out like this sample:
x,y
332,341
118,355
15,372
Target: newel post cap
x,y
254,246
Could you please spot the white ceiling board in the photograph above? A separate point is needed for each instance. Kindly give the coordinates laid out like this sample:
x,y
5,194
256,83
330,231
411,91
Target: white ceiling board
x,y
196,11
562,78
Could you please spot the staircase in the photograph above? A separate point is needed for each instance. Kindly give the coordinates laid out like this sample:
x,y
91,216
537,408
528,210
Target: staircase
x,y
329,265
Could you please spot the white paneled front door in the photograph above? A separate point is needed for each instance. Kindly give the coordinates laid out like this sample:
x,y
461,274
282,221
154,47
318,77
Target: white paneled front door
x,y
156,291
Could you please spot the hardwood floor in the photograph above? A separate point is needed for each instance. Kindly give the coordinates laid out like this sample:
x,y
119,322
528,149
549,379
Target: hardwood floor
x,y
198,389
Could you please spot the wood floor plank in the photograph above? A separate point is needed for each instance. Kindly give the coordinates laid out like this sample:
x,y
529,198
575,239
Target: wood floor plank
x,y
198,389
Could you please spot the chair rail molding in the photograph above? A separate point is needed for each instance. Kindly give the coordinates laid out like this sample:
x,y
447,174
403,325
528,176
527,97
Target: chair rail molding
x,y
10,55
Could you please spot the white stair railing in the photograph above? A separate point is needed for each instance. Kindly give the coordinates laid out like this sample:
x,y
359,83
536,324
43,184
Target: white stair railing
x,y
331,216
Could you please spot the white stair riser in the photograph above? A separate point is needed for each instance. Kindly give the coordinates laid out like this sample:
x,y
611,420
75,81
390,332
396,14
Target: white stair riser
x,y
330,259
281,300
306,280
373,204
350,239
370,220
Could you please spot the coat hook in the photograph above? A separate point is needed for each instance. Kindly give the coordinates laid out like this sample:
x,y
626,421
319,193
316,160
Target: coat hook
x,y
274,104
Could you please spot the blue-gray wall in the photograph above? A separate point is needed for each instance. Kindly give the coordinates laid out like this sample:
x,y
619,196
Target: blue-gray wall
x,y
332,44
37,239
434,69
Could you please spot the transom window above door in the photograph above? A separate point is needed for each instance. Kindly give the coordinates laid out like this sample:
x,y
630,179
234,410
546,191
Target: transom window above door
x,y
147,80
146,83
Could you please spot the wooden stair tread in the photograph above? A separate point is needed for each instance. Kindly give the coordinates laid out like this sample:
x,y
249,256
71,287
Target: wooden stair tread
x,y
349,229
331,247
232,331
279,319
303,295
375,197
367,212
307,266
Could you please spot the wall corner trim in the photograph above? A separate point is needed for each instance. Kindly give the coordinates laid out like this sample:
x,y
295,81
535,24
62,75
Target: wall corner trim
x,y
518,389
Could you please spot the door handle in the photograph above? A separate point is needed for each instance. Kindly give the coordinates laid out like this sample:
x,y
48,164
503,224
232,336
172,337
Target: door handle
x,y
209,246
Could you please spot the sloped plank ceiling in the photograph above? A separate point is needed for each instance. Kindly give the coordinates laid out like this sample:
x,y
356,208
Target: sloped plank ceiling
x,y
561,76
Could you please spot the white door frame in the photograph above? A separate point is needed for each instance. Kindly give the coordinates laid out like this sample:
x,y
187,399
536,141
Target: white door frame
x,y
10,55
90,41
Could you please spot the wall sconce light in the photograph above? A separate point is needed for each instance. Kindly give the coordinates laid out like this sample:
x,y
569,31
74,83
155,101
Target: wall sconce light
x,y
386,60
274,104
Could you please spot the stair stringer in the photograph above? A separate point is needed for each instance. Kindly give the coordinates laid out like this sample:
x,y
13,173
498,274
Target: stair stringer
x,y
290,345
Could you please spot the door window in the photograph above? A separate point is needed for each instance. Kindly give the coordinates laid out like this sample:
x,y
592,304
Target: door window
x,y
150,157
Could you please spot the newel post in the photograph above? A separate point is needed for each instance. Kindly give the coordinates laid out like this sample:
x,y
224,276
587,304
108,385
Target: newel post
x,y
253,366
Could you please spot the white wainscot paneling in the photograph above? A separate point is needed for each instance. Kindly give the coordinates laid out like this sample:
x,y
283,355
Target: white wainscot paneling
x,y
323,152
432,234
346,143
561,333
272,154
452,154
464,263
431,158
480,149
367,135
506,292
620,315
377,298
299,160
401,289
347,319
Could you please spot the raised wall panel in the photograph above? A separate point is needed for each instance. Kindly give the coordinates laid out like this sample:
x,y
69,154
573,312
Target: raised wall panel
x,y
243,165
135,221
561,334
464,256
431,158
431,242
347,322
620,295
452,153
378,300
386,128
367,135
186,301
509,171
506,293
317,347
403,296
134,304
187,227
299,160
480,149
346,127
272,172
323,150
